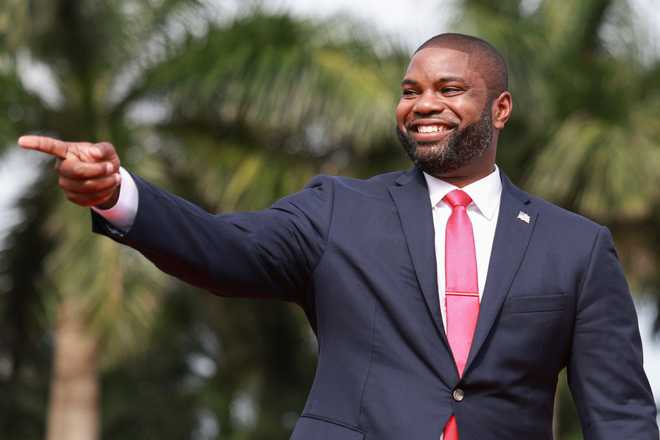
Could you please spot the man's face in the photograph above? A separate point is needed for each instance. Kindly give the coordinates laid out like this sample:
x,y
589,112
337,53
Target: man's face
x,y
443,117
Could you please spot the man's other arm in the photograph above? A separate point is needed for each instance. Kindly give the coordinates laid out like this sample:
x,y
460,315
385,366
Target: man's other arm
x,y
605,372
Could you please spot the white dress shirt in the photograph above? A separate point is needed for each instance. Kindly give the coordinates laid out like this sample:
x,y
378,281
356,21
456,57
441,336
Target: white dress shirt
x,y
486,194
123,213
483,212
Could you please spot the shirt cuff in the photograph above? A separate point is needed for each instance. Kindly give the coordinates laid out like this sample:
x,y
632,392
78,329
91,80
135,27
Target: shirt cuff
x,y
122,215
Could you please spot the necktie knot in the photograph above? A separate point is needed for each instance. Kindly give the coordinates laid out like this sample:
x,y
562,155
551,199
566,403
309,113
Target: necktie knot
x,y
457,198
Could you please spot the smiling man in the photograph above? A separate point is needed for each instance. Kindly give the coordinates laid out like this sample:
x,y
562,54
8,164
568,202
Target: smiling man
x,y
445,116
445,300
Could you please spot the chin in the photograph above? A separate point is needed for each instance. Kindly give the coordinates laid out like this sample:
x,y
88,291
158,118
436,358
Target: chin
x,y
430,150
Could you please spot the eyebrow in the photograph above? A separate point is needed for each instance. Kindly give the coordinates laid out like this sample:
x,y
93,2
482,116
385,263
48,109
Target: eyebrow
x,y
445,79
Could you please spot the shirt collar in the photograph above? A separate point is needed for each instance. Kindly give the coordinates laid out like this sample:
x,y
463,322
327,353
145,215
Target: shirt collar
x,y
485,192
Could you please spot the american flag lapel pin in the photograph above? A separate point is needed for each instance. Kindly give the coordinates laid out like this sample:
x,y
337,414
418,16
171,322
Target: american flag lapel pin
x,y
523,216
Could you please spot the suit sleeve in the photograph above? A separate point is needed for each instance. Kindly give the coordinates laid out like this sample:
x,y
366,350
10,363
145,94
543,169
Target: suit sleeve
x,y
605,372
269,253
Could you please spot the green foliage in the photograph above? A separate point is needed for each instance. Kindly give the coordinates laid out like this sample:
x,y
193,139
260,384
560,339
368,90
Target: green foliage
x,y
24,344
254,106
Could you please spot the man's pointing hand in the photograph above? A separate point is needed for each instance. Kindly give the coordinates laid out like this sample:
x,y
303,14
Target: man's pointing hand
x,y
88,173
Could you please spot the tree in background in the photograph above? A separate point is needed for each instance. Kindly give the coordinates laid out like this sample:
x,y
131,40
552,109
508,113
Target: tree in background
x,y
259,103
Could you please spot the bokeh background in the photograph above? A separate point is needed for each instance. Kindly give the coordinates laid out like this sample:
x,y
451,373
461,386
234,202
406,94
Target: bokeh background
x,y
233,104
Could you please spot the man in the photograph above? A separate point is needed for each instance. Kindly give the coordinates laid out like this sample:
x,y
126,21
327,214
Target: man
x,y
445,300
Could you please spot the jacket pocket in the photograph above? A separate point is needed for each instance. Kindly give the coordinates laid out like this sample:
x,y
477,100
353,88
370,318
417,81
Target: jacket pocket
x,y
311,427
536,303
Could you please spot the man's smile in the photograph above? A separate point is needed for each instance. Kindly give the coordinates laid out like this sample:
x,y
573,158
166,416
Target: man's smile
x,y
430,130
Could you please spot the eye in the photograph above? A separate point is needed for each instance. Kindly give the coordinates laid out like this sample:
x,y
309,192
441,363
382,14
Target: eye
x,y
451,90
408,92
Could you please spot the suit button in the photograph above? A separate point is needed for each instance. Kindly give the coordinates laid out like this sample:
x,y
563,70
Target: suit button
x,y
458,394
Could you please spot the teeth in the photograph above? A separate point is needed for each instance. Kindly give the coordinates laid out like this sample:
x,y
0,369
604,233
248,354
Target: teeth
x,y
428,128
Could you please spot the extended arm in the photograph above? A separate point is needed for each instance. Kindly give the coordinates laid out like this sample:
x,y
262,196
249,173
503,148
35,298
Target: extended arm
x,y
267,253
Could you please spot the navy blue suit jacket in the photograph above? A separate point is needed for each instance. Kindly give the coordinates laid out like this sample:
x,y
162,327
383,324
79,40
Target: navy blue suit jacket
x,y
359,257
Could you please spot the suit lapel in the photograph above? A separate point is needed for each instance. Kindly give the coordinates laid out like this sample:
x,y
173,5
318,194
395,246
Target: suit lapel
x,y
412,200
512,236
511,239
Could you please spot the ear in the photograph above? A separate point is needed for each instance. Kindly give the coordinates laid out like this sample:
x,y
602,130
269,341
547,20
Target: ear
x,y
501,109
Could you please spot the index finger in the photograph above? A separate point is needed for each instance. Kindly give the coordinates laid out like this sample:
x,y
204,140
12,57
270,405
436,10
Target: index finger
x,y
47,145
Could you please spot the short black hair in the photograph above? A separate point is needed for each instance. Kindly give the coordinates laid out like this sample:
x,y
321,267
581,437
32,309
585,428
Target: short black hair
x,y
488,59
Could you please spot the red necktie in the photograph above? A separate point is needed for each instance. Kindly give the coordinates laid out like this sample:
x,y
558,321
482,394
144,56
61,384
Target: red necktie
x,y
461,286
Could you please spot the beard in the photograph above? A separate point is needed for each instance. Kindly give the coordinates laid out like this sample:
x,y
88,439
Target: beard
x,y
459,149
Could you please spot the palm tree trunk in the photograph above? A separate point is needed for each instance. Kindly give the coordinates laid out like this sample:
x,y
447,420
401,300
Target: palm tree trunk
x,y
73,408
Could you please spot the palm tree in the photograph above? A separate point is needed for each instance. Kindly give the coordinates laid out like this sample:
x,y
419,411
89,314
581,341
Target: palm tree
x,y
584,133
258,103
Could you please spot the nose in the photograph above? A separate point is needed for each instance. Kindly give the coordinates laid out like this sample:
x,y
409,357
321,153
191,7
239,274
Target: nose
x,y
428,103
